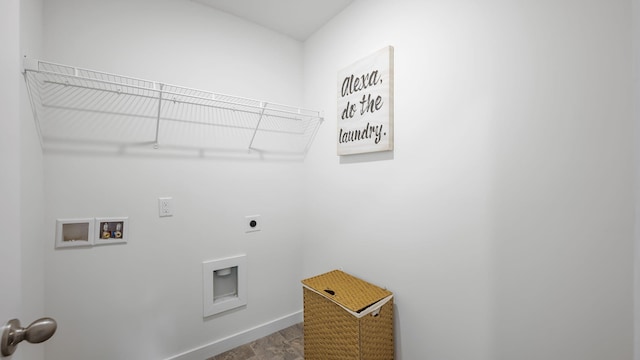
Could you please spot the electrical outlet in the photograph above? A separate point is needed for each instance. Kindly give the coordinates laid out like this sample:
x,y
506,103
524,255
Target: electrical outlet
x,y
165,206
253,223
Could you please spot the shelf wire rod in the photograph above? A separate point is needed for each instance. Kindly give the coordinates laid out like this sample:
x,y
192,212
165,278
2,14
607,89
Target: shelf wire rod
x,y
212,96
110,85
171,119
120,92
155,146
297,116
137,87
314,132
93,102
294,115
215,96
55,95
36,118
42,65
298,112
264,107
93,79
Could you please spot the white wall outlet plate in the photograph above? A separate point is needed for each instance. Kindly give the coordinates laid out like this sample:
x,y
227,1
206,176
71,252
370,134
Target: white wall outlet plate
x,y
253,223
165,206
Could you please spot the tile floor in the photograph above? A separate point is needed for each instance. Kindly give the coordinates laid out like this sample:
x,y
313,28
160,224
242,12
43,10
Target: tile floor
x,y
286,344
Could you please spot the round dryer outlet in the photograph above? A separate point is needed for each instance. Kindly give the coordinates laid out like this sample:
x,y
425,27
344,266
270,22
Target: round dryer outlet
x,y
253,223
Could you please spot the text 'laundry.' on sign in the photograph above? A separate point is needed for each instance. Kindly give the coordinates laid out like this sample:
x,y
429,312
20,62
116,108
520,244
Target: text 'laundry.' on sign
x,y
365,105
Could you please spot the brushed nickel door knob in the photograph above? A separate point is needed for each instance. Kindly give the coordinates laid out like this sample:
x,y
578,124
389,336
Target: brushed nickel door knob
x,y
13,333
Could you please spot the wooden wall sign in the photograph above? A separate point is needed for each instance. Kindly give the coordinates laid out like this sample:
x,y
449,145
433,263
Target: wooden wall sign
x,y
365,105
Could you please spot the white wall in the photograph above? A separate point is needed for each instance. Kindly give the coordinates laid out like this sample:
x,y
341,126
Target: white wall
x,y
32,185
10,256
143,300
503,220
21,179
636,116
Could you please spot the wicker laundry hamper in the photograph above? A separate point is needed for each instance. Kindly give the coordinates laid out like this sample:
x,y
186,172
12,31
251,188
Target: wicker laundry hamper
x,y
346,318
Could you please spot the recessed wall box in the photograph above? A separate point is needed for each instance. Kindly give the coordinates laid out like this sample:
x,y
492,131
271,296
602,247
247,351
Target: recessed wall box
x,y
224,284
111,230
74,232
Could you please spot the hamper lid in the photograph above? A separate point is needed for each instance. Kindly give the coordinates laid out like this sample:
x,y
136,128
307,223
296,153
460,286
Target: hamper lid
x,y
346,290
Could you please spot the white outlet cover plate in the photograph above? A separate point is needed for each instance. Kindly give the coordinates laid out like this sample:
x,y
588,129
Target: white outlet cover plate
x,y
248,222
165,206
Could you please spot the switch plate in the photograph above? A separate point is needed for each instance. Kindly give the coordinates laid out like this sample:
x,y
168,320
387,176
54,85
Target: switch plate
x,y
165,206
253,223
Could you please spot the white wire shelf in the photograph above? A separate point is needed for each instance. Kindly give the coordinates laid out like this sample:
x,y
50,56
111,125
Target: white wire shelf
x,y
79,106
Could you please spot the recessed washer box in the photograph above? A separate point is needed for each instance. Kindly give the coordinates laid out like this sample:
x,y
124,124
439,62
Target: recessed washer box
x,y
112,230
224,283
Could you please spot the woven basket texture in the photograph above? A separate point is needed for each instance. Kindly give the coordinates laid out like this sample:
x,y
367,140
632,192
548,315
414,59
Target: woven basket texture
x,y
376,335
351,292
332,333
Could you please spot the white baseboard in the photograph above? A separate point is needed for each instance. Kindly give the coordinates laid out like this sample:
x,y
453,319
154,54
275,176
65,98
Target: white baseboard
x,y
241,338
